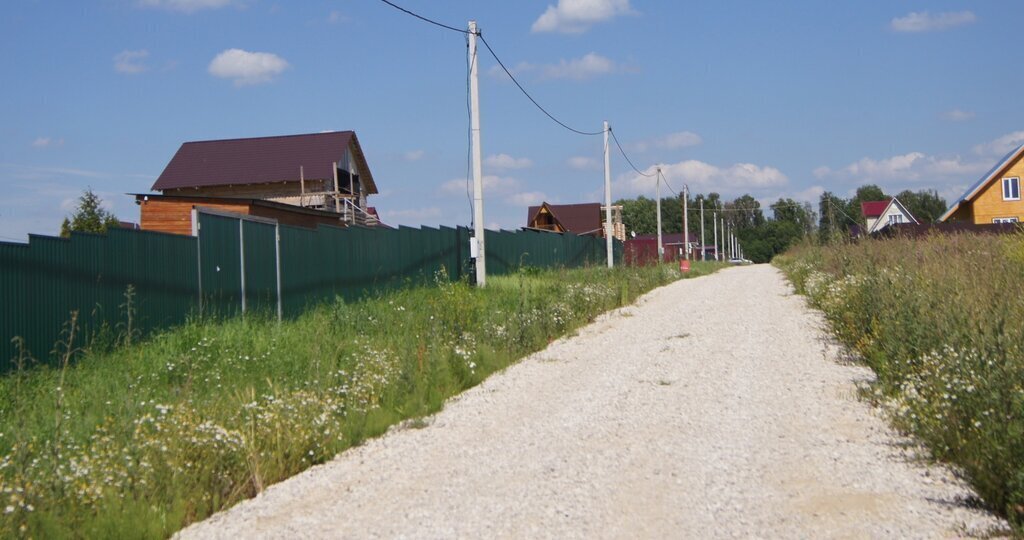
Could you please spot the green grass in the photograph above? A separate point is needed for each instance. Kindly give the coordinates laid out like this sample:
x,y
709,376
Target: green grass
x,y
138,441
941,322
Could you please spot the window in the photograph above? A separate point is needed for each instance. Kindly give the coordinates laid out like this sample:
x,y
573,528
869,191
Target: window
x,y
1011,189
1005,220
895,218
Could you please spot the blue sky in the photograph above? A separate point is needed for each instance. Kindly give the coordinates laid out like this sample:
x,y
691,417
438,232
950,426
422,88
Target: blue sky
x,y
767,98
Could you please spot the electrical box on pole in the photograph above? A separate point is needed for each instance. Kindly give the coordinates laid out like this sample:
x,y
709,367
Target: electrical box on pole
x,y
608,228
478,182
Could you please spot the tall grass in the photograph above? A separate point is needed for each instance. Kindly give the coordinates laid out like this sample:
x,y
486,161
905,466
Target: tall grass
x,y
143,439
941,321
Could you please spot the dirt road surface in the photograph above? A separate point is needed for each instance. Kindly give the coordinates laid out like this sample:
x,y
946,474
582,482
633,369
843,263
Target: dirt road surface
x,y
713,407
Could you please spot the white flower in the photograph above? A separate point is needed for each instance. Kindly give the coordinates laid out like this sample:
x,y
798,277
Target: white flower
x,y
9,509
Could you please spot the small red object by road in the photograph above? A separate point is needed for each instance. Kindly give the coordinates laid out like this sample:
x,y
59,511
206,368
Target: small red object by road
x,y
684,265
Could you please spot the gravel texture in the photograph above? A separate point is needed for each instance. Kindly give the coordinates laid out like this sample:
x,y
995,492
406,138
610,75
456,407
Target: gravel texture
x,y
713,407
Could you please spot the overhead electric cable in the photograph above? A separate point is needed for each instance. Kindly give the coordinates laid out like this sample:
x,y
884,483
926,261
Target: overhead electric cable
x,y
527,94
422,18
616,139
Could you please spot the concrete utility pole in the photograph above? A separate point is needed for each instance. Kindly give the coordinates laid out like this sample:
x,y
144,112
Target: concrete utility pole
x,y
721,257
478,173
714,220
686,221
657,194
608,195
703,254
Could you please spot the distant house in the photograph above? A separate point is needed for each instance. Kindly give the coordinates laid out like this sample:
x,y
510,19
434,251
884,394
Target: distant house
x,y
310,178
881,214
995,198
643,249
582,219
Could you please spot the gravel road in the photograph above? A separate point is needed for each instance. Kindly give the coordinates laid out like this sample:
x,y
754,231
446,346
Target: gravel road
x,y
713,407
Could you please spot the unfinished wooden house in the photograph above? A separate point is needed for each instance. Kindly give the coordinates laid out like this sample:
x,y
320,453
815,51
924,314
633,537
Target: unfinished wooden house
x,y
319,174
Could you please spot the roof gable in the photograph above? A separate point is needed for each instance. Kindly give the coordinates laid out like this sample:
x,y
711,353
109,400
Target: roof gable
x,y
575,218
262,160
989,177
893,203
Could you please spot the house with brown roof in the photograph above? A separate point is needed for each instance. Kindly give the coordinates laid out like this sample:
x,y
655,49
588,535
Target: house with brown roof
x,y
581,219
881,214
318,177
995,198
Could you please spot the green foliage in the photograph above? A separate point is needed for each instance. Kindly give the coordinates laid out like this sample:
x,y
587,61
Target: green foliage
x,y
152,436
938,319
925,205
89,216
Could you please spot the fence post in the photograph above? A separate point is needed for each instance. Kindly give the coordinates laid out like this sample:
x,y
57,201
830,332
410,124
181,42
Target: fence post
x,y
277,256
241,257
199,255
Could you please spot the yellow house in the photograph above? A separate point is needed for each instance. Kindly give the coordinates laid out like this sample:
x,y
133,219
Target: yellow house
x,y
996,197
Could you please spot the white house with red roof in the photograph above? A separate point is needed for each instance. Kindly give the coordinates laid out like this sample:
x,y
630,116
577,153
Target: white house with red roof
x,y
880,214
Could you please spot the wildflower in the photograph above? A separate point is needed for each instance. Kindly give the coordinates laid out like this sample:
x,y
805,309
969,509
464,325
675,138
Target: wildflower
x,y
9,509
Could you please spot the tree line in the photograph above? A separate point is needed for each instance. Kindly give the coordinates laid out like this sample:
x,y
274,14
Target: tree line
x,y
787,221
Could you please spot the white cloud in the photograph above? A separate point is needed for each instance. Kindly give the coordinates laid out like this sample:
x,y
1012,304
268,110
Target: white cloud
x,y
185,6
1001,146
336,17
529,198
738,178
927,22
895,173
500,185
245,68
584,68
672,141
131,62
811,194
414,155
505,161
46,142
588,66
577,16
958,115
584,163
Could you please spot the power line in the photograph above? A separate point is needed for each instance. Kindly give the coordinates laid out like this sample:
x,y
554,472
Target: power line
x,y
422,18
616,139
527,94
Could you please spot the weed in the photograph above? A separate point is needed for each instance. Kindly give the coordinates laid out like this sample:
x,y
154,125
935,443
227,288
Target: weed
x,y
143,438
938,320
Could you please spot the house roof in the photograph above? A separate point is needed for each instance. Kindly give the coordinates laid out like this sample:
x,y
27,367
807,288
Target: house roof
x,y
263,160
985,180
874,208
576,218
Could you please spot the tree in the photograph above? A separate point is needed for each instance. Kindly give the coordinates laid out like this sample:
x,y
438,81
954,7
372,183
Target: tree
x,y
833,217
790,211
865,193
89,216
746,212
926,205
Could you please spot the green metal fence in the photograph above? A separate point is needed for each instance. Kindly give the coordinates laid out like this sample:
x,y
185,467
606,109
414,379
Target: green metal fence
x,y
236,265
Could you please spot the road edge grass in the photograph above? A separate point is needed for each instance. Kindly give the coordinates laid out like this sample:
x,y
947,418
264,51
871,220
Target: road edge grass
x,y
139,441
936,320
